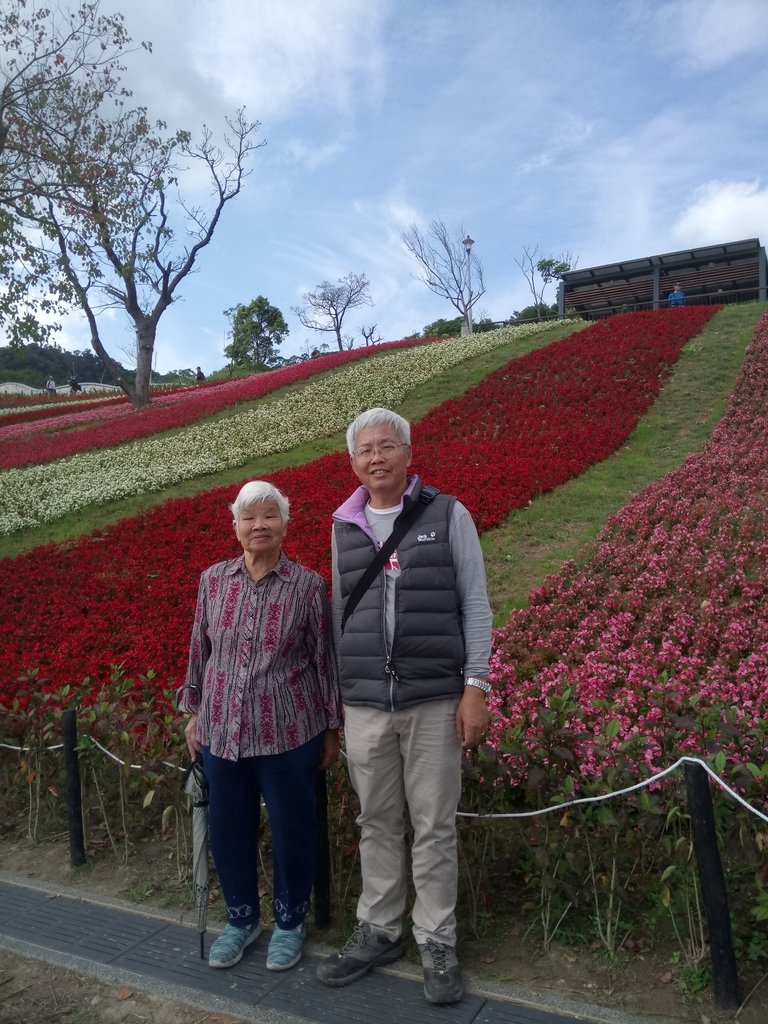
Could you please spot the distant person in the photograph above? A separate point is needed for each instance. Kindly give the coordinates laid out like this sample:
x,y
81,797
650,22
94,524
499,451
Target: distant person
x,y
50,386
74,386
200,376
676,297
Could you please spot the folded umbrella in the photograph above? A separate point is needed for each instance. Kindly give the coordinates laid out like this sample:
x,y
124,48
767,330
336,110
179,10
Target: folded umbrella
x,y
196,787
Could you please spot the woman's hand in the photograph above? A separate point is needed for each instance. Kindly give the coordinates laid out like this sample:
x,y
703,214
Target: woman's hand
x,y
330,750
193,746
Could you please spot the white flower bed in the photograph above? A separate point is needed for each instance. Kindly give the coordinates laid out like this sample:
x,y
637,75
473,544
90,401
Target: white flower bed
x,y
39,494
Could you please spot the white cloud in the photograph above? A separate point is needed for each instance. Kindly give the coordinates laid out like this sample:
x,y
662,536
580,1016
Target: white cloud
x,y
708,33
724,211
282,61
289,55
314,156
400,214
569,135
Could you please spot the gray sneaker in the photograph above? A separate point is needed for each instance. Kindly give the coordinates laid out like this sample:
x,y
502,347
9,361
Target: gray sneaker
x,y
442,977
363,950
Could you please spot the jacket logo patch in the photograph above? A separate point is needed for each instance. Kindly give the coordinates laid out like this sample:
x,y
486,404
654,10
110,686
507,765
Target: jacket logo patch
x,y
426,538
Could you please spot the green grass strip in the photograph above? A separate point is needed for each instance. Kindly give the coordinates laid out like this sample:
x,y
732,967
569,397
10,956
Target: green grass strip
x,y
562,525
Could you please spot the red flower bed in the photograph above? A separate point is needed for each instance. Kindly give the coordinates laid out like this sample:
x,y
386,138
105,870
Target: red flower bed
x,y
547,416
126,595
185,406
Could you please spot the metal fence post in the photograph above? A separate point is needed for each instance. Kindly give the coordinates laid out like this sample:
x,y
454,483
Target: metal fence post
x,y
713,890
74,802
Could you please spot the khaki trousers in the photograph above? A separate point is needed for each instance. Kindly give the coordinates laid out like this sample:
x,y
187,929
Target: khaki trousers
x,y
412,758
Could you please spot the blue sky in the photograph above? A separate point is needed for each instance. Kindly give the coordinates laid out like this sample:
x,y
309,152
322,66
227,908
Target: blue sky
x,y
611,129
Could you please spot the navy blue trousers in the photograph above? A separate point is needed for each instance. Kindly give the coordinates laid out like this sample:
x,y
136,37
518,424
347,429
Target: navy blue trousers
x,y
287,784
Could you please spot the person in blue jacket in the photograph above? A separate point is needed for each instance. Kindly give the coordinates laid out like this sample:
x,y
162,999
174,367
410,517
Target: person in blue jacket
x,y
676,297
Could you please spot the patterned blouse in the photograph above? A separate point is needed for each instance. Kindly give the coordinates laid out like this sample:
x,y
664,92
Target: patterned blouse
x,y
262,669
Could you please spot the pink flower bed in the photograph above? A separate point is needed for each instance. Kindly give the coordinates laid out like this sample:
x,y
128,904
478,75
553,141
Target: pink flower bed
x,y
659,645
51,409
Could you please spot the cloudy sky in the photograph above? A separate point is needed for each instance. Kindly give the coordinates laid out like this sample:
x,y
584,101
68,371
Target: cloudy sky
x,y
614,130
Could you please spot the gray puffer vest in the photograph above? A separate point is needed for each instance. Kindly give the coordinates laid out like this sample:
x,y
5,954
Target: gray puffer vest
x,y
427,657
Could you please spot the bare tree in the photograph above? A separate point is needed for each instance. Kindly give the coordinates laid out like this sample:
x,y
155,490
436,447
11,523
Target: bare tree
x,y
447,267
368,333
539,271
324,309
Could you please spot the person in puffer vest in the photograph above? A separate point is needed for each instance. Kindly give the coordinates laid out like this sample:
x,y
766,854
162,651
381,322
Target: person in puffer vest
x,y
414,649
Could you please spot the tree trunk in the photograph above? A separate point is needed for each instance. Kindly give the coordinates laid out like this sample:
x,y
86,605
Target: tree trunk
x,y
145,347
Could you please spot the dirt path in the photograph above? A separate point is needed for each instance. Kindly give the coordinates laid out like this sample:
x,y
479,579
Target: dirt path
x,y
32,991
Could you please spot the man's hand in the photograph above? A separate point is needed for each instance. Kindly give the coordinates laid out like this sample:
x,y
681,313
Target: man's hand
x,y
471,717
193,746
330,749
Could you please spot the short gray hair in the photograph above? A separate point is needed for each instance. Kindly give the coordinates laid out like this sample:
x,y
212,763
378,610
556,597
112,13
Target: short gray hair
x,y
376,418
257,492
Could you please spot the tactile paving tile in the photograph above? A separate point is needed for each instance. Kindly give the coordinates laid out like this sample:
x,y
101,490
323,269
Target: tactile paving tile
x,y
503,1012
173,955
17,901
152,948
402,999
82,929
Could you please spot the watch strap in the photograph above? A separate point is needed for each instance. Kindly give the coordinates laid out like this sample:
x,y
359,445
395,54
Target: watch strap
x,y
480,684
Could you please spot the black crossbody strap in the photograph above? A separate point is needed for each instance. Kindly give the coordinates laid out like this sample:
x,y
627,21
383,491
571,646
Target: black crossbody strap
x,y
404,521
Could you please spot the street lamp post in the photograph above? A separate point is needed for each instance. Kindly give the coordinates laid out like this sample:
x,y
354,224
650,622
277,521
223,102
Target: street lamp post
x,y
468,243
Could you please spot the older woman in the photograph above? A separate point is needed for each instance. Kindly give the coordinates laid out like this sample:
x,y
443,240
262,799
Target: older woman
x,y
262,693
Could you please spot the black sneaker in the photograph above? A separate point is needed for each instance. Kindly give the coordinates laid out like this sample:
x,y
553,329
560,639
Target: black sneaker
x,y
442,977
363,950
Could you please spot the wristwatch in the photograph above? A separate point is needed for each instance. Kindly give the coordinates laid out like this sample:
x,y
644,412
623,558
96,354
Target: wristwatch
x,y
481,684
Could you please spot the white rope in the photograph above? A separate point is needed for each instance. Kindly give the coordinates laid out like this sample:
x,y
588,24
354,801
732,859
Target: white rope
x,y
580,801
111,756
107,753
24,750
117,760
622,792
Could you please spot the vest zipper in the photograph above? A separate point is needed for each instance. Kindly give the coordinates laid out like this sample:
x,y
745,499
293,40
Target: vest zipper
x,y
393,678
388,666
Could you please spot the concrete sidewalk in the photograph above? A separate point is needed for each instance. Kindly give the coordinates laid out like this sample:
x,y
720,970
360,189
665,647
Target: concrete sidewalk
x,y
159,955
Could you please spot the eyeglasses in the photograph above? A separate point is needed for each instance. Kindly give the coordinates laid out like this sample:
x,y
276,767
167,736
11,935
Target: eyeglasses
x,y
385,450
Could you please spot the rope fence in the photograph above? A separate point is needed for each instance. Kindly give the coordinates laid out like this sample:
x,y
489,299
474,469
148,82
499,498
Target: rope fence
x,y
576,802
699,799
